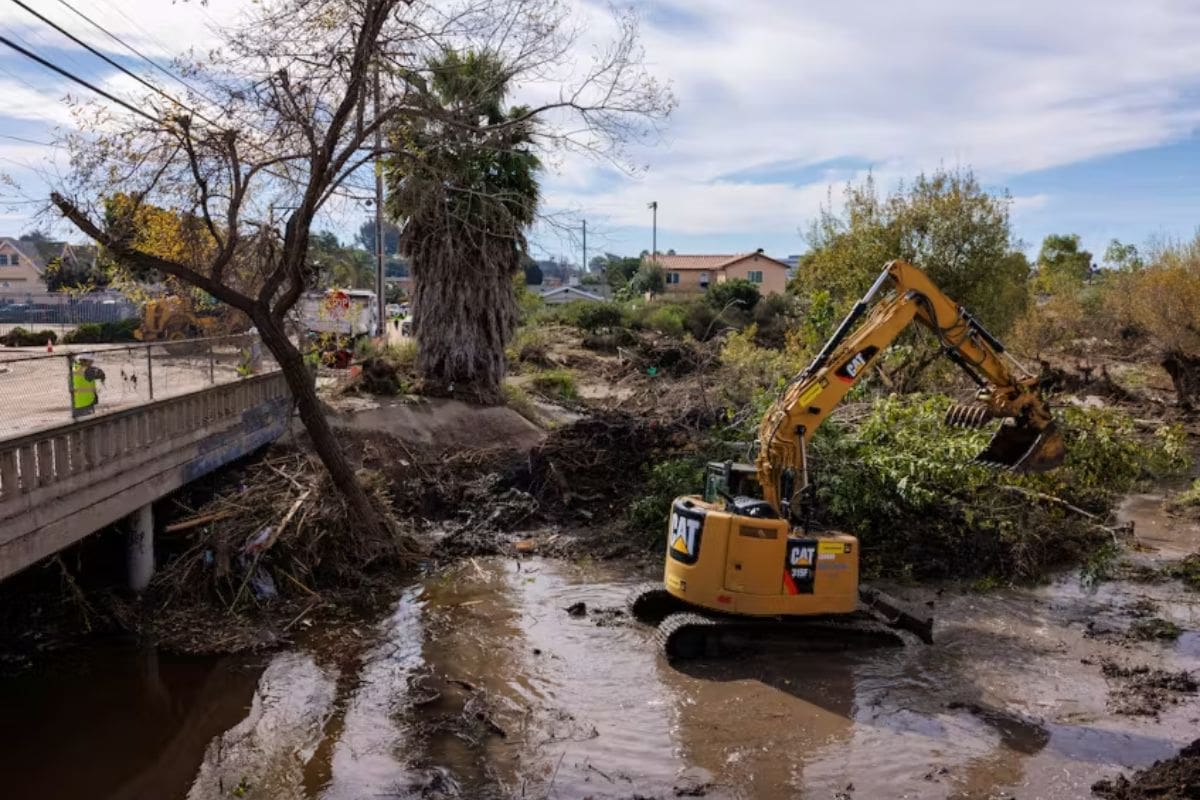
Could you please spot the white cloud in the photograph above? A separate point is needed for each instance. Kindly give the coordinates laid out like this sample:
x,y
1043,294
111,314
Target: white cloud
x,y
1005,87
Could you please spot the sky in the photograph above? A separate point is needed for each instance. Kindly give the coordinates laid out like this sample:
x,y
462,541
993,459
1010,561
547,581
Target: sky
x,y
1086,111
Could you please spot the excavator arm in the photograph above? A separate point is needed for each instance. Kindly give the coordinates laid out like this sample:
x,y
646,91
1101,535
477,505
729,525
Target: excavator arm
x,y
1026,441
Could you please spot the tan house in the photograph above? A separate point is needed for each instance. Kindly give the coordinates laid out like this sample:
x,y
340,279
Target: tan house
x,y
20,268
684,274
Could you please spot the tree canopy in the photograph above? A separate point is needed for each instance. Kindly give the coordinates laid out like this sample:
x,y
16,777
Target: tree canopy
x,y
945,223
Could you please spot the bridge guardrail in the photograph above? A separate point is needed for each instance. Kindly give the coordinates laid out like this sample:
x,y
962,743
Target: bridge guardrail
x,y
66,481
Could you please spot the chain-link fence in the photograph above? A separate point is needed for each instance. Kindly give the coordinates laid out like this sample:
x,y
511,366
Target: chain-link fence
x,y
42,390
61,313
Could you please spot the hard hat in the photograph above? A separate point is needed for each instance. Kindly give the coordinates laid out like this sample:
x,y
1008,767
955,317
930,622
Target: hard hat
x,y
86,357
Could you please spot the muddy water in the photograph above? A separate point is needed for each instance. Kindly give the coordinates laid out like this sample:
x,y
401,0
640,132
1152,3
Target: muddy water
x,y
479,684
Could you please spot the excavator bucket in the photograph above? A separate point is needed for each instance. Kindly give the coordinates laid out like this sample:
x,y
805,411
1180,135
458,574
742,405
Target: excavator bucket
x,y
1021,448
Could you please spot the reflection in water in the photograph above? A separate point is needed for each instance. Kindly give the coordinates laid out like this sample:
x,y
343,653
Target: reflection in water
x,y
119,722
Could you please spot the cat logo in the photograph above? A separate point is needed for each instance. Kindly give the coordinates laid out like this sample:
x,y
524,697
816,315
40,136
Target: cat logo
x,y
850,371
683,539
801,556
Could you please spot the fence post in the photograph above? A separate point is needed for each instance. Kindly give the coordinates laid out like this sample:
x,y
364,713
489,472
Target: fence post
x,y
150,370
71,384
212,375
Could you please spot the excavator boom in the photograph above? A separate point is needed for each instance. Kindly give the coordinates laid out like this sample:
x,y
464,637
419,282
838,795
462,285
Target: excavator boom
x,y
1026,440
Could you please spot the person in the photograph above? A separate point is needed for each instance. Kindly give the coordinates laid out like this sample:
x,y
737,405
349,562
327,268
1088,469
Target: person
x,y
84,374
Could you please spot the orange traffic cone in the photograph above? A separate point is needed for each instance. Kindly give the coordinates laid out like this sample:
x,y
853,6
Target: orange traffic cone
x,y
49,345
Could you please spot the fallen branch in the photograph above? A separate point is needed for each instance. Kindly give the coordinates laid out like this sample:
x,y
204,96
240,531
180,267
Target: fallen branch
x,y
196,522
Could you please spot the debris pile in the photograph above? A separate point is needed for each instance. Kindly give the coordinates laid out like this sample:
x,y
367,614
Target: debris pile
x,y
1174,778
276,537
1144,691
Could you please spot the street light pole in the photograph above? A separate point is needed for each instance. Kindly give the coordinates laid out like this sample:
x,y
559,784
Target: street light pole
x,y
585,264
654,246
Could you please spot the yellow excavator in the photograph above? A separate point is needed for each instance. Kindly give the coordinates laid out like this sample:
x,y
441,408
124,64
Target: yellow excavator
x,y
742,570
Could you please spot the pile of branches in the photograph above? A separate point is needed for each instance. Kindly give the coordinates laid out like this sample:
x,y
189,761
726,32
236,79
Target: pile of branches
x,y
280,530
592,465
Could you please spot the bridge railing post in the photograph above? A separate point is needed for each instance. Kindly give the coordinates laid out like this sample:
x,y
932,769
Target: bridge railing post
x,y
150,371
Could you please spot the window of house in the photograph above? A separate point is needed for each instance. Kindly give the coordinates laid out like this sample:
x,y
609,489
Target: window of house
x,y
755,276
704,280
16,259
3,260
672,277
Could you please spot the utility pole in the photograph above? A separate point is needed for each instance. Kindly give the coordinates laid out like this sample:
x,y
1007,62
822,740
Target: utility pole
x,y
585,264
379,237
654,247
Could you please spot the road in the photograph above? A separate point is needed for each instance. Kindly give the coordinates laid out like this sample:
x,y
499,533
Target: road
x,y
35,387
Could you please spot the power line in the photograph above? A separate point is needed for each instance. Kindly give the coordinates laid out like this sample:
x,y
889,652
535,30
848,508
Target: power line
x,y
71,76
26,141
102,56
136,52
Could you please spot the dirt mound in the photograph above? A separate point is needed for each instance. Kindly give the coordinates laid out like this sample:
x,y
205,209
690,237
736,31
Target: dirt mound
x,y
1175,778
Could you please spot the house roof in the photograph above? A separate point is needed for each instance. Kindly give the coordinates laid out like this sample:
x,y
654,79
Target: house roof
x,y
26,249
572,290
707,262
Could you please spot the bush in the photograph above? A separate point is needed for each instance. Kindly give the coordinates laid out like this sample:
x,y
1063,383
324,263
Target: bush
x,y
593,317
738,292
907,486
772,315
19,337
666,318
648,514
530,346
747,370
556,384
104,332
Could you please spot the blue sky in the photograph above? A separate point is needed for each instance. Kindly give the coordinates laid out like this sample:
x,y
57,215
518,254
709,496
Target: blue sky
x,y
1085,111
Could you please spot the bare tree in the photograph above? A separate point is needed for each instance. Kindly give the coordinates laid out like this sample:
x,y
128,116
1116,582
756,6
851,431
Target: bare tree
x,y
279,127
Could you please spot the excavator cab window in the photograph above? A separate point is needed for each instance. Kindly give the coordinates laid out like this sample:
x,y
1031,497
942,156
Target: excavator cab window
x,y
736,485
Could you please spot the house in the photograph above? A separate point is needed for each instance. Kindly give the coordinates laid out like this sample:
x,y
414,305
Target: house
x,y
21,269
684,274
557,295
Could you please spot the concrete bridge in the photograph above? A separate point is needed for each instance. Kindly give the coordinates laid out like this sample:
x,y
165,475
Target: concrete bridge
x,y
62,483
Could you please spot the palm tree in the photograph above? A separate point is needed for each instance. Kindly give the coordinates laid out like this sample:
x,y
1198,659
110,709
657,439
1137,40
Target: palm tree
x,y
463,184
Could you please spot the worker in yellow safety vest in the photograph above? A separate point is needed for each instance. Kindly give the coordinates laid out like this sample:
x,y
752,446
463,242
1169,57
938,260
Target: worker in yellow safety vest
x,y
84,375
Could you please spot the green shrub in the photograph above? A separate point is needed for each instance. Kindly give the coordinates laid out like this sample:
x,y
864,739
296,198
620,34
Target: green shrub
x,y
593,317
664,481
665,318
736,293
530,345
908,487
1188,500
103,332
557,384
519,401
19,337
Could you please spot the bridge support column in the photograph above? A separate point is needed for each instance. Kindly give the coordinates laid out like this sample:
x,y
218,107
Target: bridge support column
x,y
141,548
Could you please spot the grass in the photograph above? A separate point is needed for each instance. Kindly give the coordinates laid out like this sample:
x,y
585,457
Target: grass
x,y
555,384
519,401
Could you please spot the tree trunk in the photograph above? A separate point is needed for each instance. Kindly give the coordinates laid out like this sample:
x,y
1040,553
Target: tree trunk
x,y
464,314
304,392
1185,374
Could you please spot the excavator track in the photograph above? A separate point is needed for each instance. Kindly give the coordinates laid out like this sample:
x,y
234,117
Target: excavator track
x,y
650,603
687,635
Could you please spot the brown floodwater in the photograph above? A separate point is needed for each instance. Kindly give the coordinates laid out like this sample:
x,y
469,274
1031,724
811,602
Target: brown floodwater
x,y
479,684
